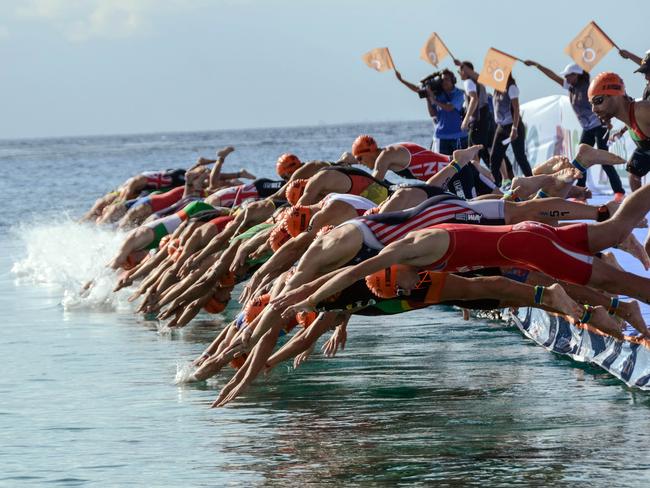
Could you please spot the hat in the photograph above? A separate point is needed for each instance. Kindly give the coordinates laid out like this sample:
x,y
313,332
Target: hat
x,y
572,69
645,64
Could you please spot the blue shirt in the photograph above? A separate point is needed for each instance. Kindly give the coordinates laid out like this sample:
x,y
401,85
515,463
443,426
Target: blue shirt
x,y
447,124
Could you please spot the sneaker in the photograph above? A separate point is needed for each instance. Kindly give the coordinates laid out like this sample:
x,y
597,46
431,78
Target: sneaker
x,y
618,197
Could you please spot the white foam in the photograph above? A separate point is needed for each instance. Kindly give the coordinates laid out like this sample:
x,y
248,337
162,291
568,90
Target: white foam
x,y
65,255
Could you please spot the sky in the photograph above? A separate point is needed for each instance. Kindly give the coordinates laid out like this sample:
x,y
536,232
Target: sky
x,y
92,67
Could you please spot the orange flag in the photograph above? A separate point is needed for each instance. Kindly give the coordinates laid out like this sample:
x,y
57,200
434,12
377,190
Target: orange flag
x,y
497,66
434,50
589,47
379,59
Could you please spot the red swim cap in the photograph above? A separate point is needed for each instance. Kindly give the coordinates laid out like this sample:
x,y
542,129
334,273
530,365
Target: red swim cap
x,y
239,361
364,144
297,219
255,307
383,283
215,306
295,189
606,83
227,280
287,164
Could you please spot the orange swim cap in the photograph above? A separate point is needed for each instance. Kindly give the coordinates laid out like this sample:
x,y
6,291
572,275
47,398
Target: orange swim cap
x,y
278,237
606,83
215,306
305,319
383,283
239,361
227,280
295,189
287,164
131,262
255,307
297,220
364,144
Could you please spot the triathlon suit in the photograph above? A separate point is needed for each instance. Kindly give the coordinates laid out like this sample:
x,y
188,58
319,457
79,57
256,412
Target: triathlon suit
x,y
260,188
560,252
423,164
158,201
359,300
358,203
381,229
363,184
639,163
167,225
169,178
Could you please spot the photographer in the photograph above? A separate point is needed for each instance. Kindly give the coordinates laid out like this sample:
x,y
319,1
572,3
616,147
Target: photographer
x,y
445,104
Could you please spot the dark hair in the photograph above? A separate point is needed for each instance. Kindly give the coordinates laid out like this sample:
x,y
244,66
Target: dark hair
x,y
448,72
468,64
511,81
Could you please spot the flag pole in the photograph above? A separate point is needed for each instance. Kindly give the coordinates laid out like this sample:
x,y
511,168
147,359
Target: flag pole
x,y
603,33
391,59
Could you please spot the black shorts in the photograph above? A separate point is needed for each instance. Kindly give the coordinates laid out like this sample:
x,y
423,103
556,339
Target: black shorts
x,y
639,163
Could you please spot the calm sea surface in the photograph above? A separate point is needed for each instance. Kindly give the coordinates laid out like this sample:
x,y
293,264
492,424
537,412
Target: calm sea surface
x,y
87,394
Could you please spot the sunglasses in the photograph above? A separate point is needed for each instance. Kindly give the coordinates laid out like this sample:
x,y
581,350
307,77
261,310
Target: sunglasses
x,y
597,100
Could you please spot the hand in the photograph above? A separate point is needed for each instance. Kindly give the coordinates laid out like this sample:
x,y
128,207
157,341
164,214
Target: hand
x,y
202,162
625,54
302,357
303,306
281,302
398,75
529,62
464,126
338,339
513,133
457,62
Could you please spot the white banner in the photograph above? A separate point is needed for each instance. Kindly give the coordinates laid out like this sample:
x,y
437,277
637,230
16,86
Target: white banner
x,y
552,128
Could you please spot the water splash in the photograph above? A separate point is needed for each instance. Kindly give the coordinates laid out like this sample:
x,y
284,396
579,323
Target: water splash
x,y
66,256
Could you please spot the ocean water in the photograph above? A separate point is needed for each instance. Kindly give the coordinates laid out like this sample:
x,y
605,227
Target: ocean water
x,y
88,398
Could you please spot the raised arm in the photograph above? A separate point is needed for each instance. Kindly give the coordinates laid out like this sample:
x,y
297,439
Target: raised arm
x,y
407,84
551,74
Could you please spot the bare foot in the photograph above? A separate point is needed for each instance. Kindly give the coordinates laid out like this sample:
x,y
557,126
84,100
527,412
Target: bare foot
x,y
557,299
610,259
588,156
222,153
245,174
631,313
464,156
579,193
604,322
561,182
631,245
527,185
552,165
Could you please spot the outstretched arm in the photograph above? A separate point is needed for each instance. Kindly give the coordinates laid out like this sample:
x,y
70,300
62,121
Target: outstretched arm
x,y
551,74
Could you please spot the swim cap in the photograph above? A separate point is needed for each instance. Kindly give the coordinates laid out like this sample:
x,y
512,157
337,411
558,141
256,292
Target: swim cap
x,y
227,280
239,361
606,83
131,262
255,307
287,164
305,319
215,306
364,144
383,283
324,230
295,189
297,220
278,237
371,211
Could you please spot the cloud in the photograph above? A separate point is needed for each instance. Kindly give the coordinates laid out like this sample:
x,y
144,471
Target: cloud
x,y
81,20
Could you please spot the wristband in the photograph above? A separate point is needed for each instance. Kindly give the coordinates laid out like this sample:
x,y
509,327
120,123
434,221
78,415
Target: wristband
x,y
578,166
542,194
613,305
603,213
456,166
586,317
539,294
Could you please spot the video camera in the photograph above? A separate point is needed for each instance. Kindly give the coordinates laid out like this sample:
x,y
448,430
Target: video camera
x,y
433,81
